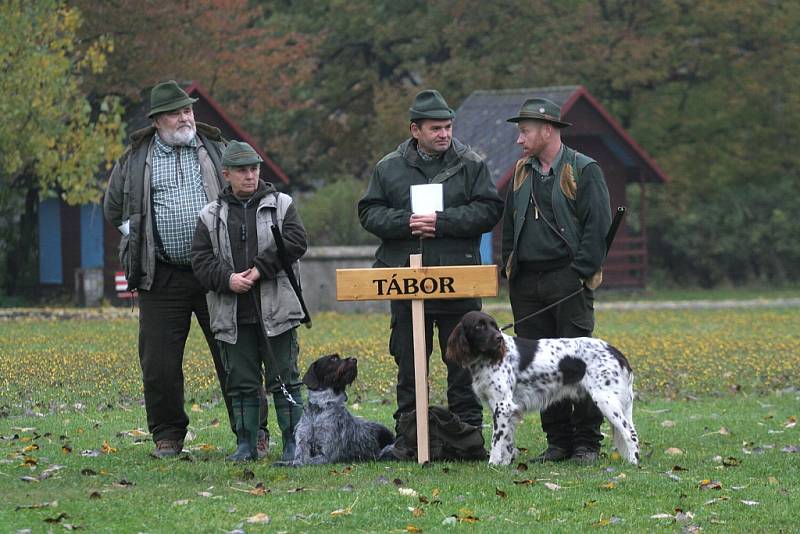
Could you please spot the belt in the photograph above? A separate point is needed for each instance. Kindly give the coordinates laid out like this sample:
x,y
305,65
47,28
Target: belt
x,y
544,266
174,266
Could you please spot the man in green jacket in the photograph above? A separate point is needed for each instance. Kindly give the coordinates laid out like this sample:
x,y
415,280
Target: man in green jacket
x,y
156,190
471,207
557,214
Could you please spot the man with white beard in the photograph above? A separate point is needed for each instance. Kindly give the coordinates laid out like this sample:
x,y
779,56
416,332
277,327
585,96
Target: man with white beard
x,y
156,190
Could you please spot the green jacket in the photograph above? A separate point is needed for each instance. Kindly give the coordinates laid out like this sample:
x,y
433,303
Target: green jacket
x,y
472,207
580,205
129,186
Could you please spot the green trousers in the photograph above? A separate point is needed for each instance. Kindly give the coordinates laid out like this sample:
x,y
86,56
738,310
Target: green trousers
x,y
245,360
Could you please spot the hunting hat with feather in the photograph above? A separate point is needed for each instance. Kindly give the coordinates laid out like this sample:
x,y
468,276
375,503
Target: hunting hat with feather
x,y
540,109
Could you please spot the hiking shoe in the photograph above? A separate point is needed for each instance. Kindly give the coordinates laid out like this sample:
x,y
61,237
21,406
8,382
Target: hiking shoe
x,y
553,453
167,448
585,456
262,445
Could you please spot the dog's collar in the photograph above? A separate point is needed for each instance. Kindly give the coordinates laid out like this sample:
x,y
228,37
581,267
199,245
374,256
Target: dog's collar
x,y
326,397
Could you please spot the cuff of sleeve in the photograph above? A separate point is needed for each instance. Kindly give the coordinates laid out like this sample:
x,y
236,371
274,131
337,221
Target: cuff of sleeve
x,y
441,222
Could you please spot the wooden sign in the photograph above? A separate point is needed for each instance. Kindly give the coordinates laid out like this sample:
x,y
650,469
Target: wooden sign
x,y
409,283
418,283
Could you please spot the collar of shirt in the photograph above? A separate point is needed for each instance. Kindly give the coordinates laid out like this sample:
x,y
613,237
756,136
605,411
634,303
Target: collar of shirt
x,y
537,165
169,149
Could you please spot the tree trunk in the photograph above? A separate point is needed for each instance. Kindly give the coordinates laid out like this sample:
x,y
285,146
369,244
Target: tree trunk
x,y
21,266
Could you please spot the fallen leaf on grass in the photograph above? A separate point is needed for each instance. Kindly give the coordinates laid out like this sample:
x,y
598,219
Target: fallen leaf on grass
x,y
522,467
344,511
88,472
412,528
730,461
673,451
772,481
47,504
95,495
204,494
56,519
551,486
608,486
791,448
662,516
500,493
450,521
605,521
707,484
181,502
408,492
93,453
31,447
716,500
749,503
667,424
791,422
526,482
29,479
196,408
259,490
296,490
416,511
468,519
108,449
260,518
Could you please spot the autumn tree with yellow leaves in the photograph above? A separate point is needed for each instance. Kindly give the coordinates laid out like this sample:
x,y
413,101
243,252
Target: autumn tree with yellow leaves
x,y
54,138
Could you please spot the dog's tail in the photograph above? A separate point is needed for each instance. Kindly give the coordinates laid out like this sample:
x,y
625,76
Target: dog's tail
x,y
572,369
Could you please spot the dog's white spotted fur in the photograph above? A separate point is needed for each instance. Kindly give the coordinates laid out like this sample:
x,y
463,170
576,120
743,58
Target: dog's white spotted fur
x,y
516,375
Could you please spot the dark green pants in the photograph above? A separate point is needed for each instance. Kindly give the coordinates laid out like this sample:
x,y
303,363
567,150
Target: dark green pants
x,y
461,399
567,424
245,359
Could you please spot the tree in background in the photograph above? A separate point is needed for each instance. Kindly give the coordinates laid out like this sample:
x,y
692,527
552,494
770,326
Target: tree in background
x,y
707,87
53,140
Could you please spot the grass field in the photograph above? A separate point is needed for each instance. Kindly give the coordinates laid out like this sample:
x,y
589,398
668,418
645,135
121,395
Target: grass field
x,y
716,410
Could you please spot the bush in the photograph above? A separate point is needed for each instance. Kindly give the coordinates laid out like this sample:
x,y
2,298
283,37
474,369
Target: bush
x,y
330,213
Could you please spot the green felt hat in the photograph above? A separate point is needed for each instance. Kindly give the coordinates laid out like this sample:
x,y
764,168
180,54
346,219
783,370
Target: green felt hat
x,y
429,104
168,96
540,109
238,154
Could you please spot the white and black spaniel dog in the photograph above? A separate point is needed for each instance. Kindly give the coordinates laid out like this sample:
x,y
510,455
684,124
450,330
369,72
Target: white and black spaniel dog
x,y
514,375
327,432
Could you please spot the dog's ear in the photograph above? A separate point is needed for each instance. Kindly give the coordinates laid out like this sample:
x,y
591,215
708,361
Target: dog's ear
x,y
310,379
457,346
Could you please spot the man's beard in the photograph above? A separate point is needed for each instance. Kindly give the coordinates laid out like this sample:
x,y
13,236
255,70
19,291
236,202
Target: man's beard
x,y
180,137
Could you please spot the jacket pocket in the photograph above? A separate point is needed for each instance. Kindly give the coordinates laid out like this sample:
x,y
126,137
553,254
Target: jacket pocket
x,y
125,254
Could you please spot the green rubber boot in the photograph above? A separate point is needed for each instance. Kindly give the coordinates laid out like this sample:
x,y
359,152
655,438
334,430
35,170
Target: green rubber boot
x,y
289,415
246,415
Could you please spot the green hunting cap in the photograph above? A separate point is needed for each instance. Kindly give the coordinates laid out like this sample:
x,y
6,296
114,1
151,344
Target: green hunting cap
x,y
238,154
168,96
429,104
540,109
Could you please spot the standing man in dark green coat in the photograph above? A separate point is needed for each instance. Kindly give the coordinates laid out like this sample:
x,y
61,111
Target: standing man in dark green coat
x,y
471,207
557,215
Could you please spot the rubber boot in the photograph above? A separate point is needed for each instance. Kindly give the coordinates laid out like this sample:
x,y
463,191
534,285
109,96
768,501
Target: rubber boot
x,y
262,443
288,414
246,412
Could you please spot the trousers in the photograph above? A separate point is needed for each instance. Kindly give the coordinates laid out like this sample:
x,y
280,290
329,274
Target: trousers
x,y
567,424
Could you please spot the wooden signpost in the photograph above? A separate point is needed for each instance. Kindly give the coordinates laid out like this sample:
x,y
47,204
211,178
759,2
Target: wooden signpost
x,y
418,283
